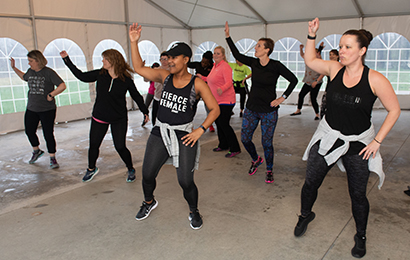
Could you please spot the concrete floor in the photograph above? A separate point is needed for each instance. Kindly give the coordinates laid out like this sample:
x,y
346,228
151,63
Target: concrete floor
x,y
51,214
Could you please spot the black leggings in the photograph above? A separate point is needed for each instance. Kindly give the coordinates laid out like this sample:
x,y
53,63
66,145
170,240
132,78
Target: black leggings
x,y
313,96
156,155
31,120
357,177
118,133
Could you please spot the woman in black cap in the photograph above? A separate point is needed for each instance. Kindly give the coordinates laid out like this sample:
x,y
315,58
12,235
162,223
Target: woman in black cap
x,y
174,137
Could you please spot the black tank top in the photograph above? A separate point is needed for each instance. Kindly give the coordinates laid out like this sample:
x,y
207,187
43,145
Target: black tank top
x,y
349,109
177,106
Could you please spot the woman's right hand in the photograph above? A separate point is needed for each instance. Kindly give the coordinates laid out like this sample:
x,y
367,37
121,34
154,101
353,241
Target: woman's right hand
x,y
135,32
12,63
313,27
226,30
63,54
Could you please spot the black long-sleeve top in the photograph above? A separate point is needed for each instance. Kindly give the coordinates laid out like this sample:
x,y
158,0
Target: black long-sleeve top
x,y
264,79
199,69
110,103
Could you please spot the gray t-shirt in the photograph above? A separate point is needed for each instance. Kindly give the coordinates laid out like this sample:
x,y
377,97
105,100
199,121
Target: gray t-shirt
x,y
40,84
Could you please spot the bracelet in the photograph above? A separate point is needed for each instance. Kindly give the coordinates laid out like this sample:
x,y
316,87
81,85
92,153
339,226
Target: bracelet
x,y
377,141
311,37
203,128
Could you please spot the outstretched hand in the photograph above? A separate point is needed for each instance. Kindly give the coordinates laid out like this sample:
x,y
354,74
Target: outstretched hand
x,y
226,30
135,32
313,27
12,63
63,54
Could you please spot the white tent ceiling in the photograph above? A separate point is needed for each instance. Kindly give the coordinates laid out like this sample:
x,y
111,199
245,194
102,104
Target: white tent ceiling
x,y
194,14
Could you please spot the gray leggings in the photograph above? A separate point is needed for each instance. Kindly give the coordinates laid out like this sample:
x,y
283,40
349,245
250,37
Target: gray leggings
x,y
156,155
357,177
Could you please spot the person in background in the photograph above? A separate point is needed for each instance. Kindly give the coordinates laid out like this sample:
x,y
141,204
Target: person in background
x,y
151,91
240,74
220,83
174,137
263,103
202,70
114,80
313,82
41,105
158,88
333,55
346,134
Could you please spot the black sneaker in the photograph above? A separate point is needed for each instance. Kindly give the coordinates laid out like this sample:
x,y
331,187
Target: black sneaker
x,y
131,175
359,249
196,219
303,222
53,163
255,165
89,175
269,177
37,154
145,209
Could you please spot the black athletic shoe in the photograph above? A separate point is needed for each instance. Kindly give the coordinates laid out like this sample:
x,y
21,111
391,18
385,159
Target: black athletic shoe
x,y
269,177
89,175
131,175
302,224
37,154
196,219
255,165
145,209
359,249
407,191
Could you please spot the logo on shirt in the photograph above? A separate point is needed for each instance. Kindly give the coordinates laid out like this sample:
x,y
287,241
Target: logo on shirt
x,y
173,102
36,85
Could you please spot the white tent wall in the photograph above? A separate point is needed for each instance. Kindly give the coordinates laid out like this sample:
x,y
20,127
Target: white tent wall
x,y
89,22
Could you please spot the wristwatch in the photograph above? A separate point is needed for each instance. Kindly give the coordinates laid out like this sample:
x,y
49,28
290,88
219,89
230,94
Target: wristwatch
x,y
284,96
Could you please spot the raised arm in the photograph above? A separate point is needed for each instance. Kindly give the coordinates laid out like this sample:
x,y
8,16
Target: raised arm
x,y
16,70
320,66
89,76
302,54
157,75
235,52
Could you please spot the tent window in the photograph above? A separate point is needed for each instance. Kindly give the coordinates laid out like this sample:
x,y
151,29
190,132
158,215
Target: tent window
x,y
77,92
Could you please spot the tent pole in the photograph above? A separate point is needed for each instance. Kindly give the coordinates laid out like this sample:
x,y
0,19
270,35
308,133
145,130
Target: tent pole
x,y
33,20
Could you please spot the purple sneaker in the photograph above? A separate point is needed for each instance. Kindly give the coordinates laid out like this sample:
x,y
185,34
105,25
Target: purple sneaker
x,y
255,165
217,149
232,154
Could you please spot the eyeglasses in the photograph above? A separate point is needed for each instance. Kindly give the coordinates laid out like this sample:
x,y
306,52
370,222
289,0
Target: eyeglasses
x,y
163,59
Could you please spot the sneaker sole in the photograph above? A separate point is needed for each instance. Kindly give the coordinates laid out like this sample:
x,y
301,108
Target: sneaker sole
x,y
98,170
55,166
32,162
129,181
269,181
232,155
195,228
149,212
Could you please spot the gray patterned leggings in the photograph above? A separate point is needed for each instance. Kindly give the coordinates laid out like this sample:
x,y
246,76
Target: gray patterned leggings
x,y
357,177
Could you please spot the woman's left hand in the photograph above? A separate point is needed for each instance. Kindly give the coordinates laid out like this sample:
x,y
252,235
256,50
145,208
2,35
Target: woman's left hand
x,y
191,138
49,98
219,90
277,102
370,149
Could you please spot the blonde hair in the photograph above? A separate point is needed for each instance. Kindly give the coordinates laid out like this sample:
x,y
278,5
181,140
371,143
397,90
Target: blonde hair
x,y
39,57
121,67
222,50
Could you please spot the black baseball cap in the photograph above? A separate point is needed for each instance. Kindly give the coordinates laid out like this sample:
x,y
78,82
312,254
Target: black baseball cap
x,y
179,48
